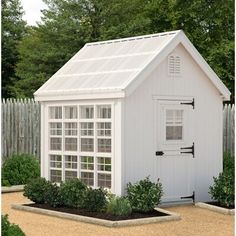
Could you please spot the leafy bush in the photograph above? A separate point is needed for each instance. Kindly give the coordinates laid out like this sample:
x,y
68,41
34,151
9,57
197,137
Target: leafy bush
x,y
228,163
9,229
95,200
144,195
223,189
35,190
119,206
73,193
18,169
53,195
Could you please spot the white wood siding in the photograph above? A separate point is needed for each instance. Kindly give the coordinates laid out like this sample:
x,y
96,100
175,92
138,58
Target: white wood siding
x,y
139,157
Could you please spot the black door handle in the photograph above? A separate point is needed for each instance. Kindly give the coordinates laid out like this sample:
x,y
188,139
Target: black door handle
x,y
159,153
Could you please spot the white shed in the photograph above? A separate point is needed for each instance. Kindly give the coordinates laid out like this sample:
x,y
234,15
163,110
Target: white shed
x,y
124,109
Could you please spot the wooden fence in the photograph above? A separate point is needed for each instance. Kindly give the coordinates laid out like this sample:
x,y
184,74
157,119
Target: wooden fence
x,y
21,127
228,128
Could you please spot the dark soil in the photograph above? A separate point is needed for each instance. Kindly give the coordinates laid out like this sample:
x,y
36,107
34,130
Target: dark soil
x,y
219,205
99,215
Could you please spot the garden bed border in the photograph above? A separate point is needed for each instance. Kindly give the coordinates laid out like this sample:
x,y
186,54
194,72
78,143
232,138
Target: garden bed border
x,y
108,223
12,189
215,208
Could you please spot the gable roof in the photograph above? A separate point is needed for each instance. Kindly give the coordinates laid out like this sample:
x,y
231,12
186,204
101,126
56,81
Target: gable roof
x,y
115,68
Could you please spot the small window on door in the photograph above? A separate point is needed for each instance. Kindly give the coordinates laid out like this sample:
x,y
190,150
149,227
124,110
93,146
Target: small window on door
x,y
174,125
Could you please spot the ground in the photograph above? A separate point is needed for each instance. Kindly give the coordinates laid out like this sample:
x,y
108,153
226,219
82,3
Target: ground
x,y
195,221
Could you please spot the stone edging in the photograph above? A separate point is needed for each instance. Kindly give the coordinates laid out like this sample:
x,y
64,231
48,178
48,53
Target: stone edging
x,y
215,208
11,189
172,217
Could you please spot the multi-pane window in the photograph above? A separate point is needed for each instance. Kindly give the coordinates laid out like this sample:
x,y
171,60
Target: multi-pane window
x,y
87,163
80,143
86,112
104,129
55,112
104,163
70,166
86,145
104,111
87,178
174,124
70,129
55,144
104,145
104,180
71,112
70,144
86,129
55,129
55,161
56,176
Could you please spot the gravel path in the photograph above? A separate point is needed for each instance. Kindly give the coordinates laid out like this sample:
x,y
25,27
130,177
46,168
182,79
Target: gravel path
x,y
195,221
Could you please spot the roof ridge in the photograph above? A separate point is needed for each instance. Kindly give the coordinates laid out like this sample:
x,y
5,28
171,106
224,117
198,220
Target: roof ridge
x,y
133,38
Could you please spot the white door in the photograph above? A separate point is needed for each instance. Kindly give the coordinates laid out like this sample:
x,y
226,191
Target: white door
x,y
175,149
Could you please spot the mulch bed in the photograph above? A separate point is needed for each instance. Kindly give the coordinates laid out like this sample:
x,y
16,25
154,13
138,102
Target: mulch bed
x,y
99,215
218,204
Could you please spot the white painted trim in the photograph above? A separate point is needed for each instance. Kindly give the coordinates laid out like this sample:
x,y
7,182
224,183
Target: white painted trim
x,y
168,97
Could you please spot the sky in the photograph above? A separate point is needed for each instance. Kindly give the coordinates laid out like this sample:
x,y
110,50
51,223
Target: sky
x,y
32,10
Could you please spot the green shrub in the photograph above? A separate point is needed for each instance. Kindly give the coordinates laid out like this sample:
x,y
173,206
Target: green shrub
x,y
73,193
35,190
223,189
18,169
119,206
228,163
95,200
144,195
9,229
53,195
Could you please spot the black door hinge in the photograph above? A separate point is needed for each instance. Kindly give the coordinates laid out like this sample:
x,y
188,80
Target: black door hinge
x,y
191,150
191,196
159,153
189,103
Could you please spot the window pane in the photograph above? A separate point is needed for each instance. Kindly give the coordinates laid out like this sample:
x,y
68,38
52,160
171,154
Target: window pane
x,y
104,145
70,175
70,162
104,163
86,163
87,178
104,129
104,111
86,129
55,176
55,143
174,132
71,129
86,112
104,180
71,144
55,112
55,128
87,145
55,161
71,112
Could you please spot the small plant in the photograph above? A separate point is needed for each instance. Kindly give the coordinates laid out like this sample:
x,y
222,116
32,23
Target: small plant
x,y
18,169
223,189
95,200
144,195
9,229
53,195
228,163
73,193
119,206
35,190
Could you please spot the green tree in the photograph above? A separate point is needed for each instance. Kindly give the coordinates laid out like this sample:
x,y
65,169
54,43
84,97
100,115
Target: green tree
x,y
13,29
